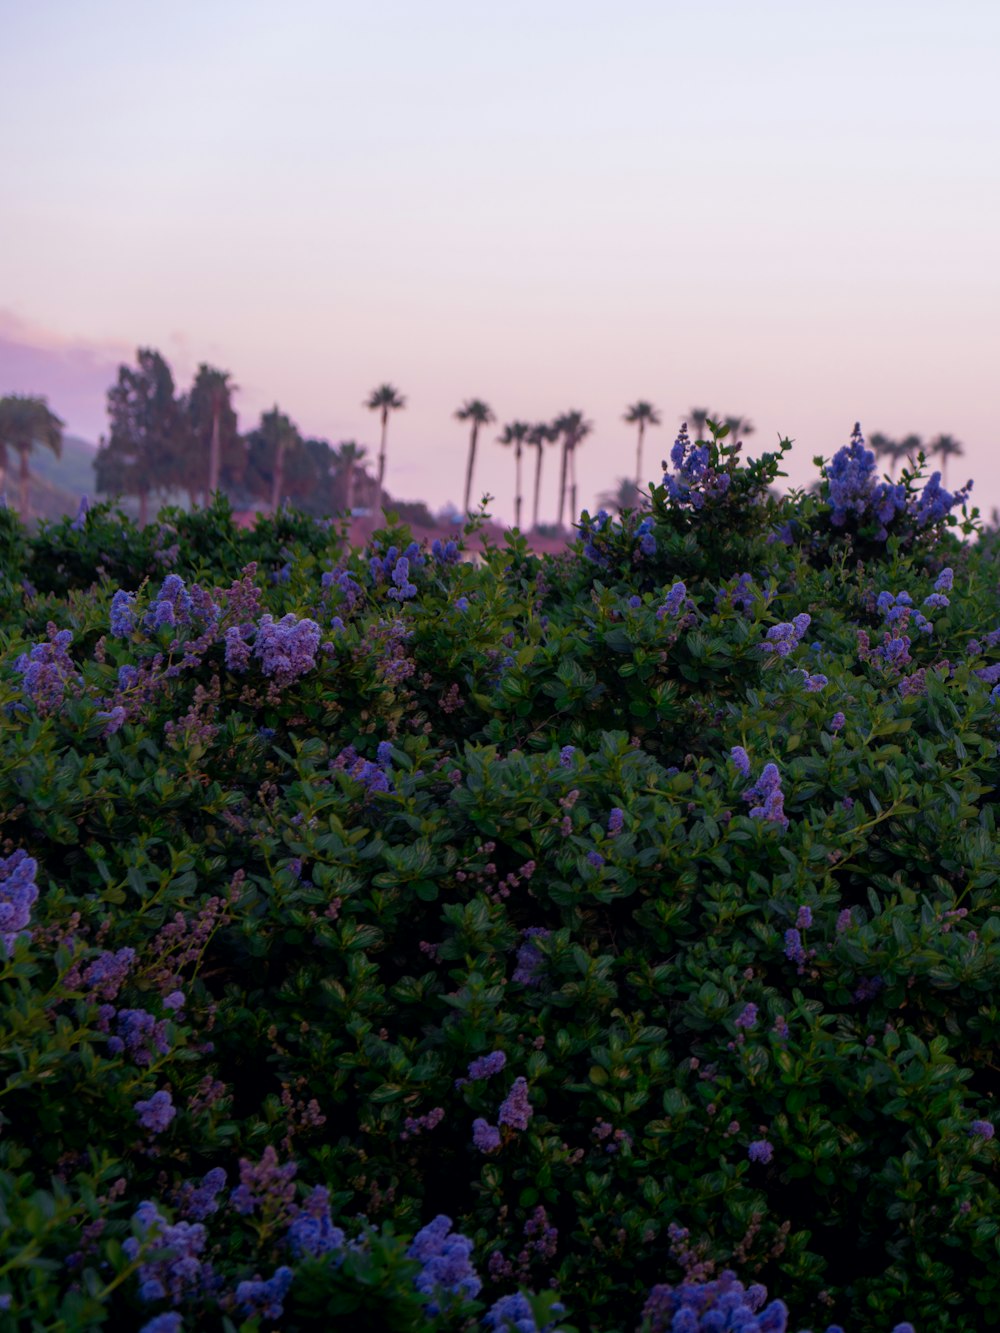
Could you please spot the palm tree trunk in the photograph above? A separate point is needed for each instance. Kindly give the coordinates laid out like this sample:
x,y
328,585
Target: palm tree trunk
x,y
278,479
562,481
538,487
638,455
517,487
574,513
24,477
380,498
214,454
470,465
349,488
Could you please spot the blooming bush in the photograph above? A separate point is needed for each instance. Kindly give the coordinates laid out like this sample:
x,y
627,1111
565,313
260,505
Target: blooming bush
x,y
589,942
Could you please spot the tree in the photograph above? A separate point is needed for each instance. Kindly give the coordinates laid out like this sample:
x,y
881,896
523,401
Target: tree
x,y
945,447
538,437
642,414
698,417
147,443
480,414
214,432
24,422
572,428
738,426
347,456
515,433
268,448
384,399
626,495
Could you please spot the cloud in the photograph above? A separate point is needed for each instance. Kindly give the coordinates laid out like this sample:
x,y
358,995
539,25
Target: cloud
x,y
74,374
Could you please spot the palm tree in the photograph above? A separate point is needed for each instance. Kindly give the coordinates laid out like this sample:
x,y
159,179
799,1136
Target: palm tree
x,y
572,427
626,495
908,448
479,413
643,414
538,437
25,422
945,446
738,426
515,433
384,399
349,455
698,417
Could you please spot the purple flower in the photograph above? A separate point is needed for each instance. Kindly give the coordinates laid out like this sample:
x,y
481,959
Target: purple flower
x,y
794,951
171,1322
446,1262
287,648
486,1066
748,1018
18,894
982,1129
529,957
741,760
156,1113
265,1298
616,821
201,1200
267,1185
176,1271
516,1109
804,919
944,580
843,920
311,1231
760,1151
673,602
837,722
767,789
122,617
595,859
114,719
46,670
485,1137
566,756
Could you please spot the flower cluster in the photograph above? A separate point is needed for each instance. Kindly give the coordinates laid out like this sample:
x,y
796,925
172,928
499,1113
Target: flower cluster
x,y
767,790
721,1305
694,479
673,602
174,1268
446,1265
18,894
286,648
267,1186
530,958
122,617
156,1113
516,1110
259,1297
852,490
46,670
311,1231
784,638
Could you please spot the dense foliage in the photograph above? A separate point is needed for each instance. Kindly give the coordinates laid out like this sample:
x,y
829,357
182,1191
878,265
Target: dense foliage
x,y
391,939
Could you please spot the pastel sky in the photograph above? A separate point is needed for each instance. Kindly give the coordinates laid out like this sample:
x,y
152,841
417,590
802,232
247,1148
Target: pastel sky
x,y
783,210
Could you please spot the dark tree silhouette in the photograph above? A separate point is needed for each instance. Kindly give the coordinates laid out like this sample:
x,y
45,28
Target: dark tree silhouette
x,y
24,423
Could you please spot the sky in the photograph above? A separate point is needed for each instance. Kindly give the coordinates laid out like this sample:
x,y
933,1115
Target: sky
x,y
779,210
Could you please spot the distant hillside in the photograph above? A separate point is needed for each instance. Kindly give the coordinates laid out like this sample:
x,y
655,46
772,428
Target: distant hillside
x,y
74,472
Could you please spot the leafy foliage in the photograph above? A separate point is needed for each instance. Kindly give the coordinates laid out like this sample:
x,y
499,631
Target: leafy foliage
x,y
411,936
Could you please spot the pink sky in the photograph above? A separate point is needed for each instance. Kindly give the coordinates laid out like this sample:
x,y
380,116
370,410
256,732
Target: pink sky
x,y
777,210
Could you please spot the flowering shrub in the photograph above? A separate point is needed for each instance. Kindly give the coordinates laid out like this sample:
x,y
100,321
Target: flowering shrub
x,y
401,943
